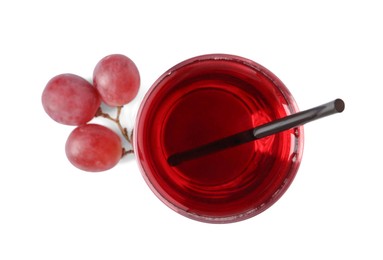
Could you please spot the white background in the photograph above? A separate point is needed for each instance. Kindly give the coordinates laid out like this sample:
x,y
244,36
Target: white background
x,y
321,50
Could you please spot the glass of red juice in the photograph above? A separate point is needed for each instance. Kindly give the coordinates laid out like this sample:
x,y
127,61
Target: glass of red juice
x,y
207,98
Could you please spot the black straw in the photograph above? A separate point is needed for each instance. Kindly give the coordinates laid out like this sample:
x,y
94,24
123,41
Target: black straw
x,y
279,125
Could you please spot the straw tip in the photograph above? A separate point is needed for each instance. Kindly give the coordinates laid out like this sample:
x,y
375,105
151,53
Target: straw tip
x,y
339,105
174,160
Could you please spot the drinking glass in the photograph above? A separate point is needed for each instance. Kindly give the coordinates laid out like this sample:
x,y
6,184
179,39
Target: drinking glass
x,y
207,98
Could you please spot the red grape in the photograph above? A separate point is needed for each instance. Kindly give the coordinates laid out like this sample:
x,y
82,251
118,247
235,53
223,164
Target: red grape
x,y
117,79
93,148
70,99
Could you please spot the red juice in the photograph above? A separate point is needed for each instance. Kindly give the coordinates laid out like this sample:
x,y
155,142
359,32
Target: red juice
x,y
208,98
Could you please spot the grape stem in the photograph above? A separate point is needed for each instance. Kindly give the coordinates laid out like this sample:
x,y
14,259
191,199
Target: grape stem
x,y
124,131
126,152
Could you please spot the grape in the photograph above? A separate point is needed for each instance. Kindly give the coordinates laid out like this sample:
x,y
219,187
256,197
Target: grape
x,y
93,148
70,99
117,79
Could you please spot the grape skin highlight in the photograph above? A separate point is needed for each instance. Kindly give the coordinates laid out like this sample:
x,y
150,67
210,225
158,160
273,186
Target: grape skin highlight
x,y
70,99
93,148
117,79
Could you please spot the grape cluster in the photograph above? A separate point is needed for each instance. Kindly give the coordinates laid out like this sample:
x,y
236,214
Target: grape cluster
x,y
71,100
